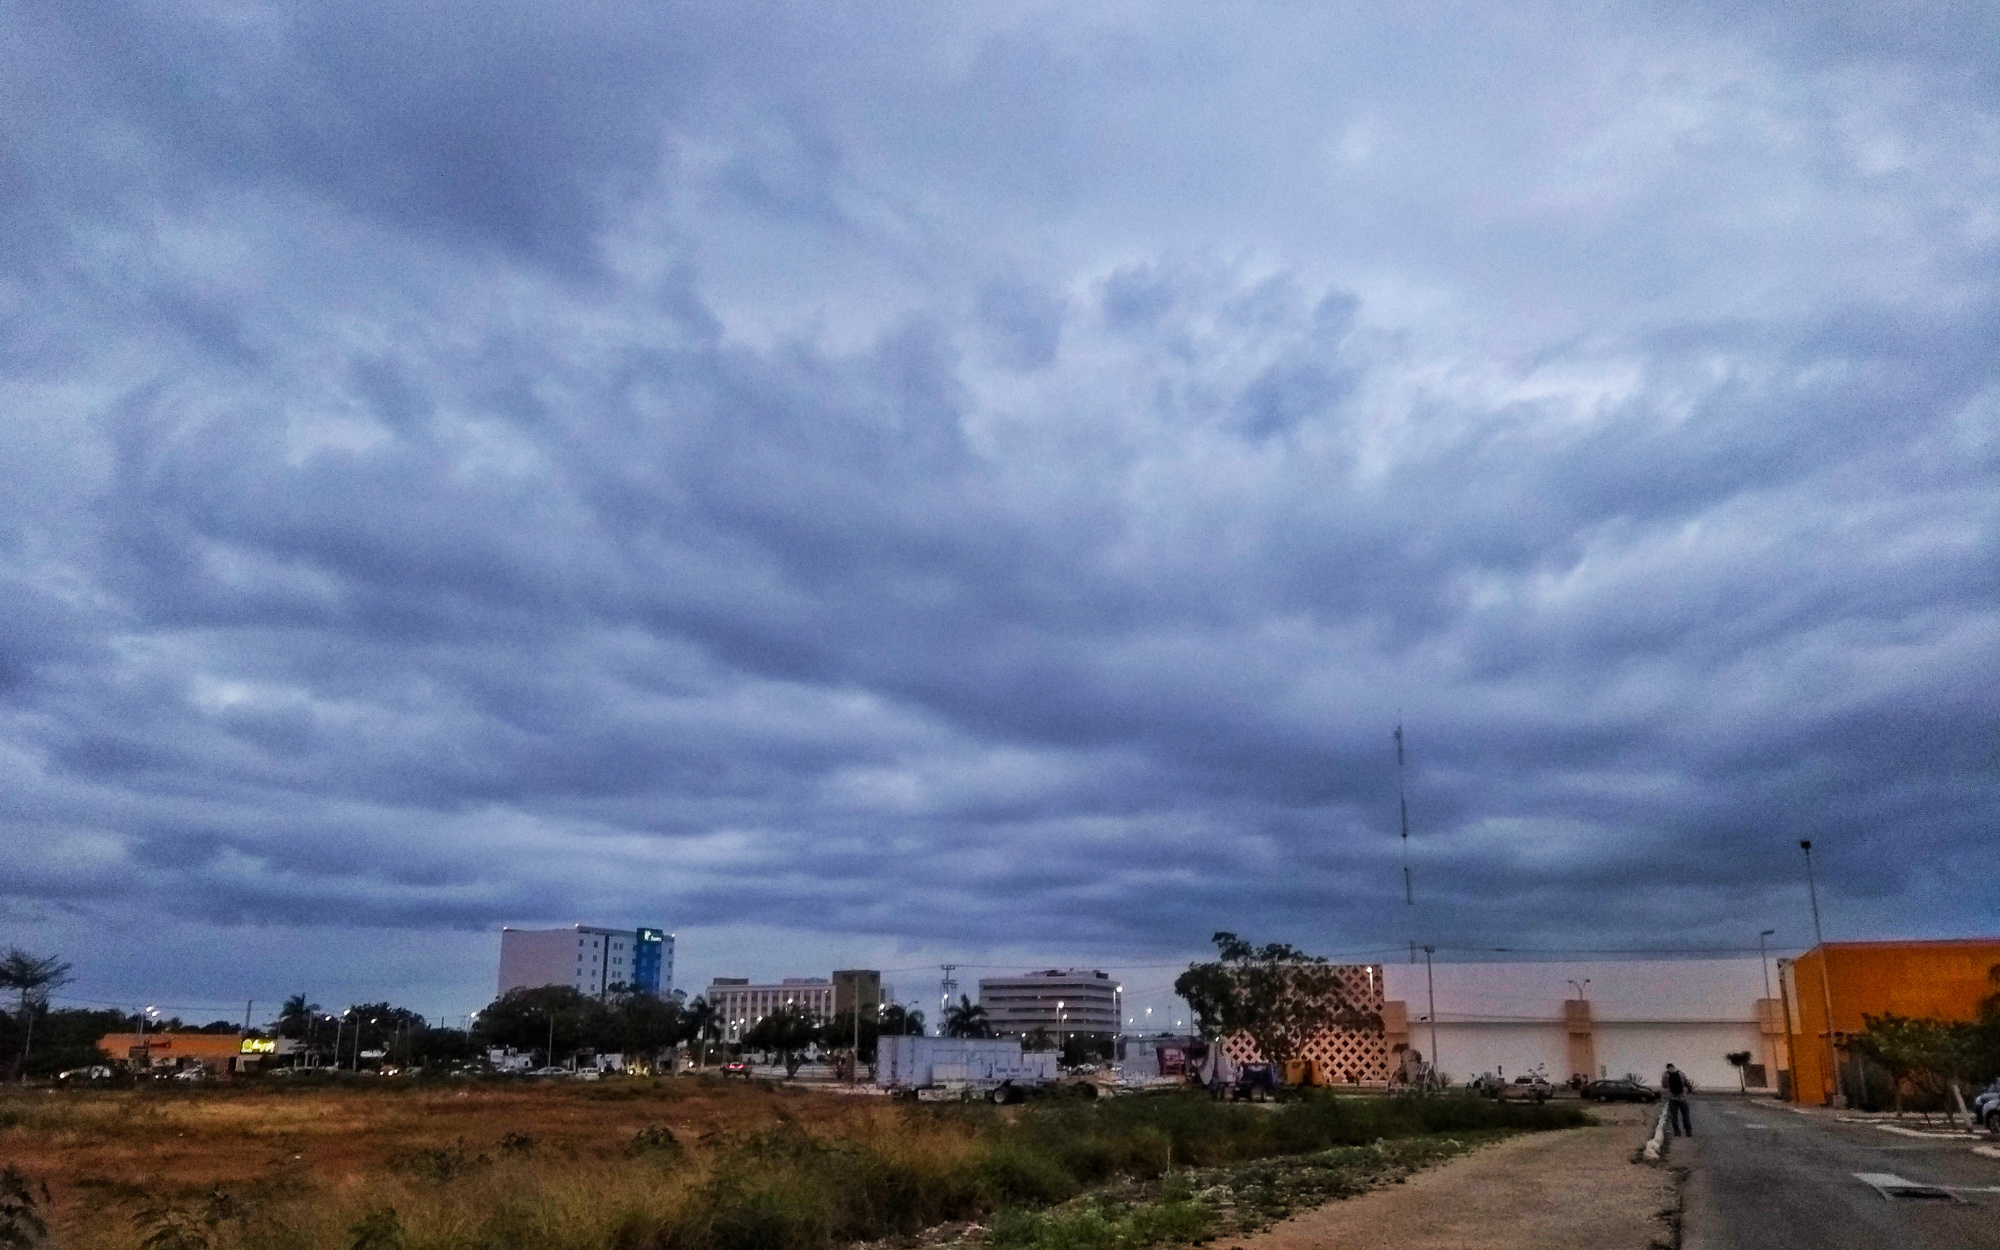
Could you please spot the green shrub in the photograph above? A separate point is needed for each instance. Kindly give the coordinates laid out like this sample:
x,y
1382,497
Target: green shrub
x,y
1016,1173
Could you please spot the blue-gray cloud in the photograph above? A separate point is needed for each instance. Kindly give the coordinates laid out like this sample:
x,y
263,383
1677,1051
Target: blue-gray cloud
x,y
993,484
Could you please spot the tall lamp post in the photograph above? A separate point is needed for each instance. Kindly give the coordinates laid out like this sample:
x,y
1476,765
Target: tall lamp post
x,y
1430,987
1059,1032
1825,981
1764,956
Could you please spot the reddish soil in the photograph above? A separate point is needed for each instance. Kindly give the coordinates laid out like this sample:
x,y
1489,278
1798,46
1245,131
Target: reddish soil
x,y
227,1135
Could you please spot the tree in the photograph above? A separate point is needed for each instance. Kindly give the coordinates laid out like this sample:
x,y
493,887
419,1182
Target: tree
x,y
700,1024
1278,995
297,1017
900,1021
65,1037
838,1033
1038,1041
786,1033
33,979
966,1019
643,1024
1920,1055
1740,1060
555,1018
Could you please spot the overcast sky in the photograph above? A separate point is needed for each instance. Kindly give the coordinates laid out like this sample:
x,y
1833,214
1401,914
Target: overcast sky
x,y
877,484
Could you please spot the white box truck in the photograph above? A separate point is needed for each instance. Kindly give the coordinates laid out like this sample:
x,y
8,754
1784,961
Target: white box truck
x,y
957,1067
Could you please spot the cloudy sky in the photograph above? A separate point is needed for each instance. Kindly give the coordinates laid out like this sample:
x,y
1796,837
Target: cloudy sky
x,y
880,484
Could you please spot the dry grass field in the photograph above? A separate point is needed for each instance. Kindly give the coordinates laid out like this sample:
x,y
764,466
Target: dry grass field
x,y
269,1165
640,1164
230,1136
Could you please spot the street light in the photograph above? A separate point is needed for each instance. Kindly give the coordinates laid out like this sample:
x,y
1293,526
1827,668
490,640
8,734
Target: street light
x,y
1059,1031
1579,986
1765,955
1825,981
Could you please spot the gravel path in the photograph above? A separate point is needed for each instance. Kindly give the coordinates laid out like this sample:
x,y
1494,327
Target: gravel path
x,y
1572,1190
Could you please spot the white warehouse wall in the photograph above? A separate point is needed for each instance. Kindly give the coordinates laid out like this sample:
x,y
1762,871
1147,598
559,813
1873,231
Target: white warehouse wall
x,y
1495,1017
1696,1049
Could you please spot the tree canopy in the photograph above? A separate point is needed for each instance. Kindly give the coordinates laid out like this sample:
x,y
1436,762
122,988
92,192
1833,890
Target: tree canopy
x,y
561,1021
1277,994
787,1033
966,1018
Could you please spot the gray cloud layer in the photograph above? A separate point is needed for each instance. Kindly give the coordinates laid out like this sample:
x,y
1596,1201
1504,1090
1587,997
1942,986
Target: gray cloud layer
x,y
993,482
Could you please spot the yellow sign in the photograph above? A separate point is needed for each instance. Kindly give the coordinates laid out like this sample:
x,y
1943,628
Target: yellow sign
x,y
259,1046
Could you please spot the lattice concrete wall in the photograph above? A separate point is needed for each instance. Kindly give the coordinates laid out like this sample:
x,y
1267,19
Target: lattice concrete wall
x,y
1347,1056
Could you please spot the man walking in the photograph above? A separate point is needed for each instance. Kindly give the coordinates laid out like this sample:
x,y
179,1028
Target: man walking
x,y
1678,1088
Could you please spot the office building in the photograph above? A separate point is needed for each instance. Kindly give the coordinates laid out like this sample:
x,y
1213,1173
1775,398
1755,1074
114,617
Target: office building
x,y
852,984
593,961
740,1005
1067,1001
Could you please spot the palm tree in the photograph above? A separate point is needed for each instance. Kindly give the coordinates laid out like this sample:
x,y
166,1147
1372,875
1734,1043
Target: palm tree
x,y
699,1023
34,978
900,1021
966,1019
295,1018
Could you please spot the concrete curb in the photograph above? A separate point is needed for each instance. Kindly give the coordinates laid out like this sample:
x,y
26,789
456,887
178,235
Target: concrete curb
x,y
1657,1146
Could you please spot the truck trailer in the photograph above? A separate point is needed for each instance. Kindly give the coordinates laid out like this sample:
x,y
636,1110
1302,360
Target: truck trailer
x,y
957,1067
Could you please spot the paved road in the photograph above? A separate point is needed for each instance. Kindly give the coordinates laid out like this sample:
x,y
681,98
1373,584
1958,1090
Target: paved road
x,y
1765,1176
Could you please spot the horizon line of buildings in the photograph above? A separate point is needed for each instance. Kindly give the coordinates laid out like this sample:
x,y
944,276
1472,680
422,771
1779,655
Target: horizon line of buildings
x,y
1578,1018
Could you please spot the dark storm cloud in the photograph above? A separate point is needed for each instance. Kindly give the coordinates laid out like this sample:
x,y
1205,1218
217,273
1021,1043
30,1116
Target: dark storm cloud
x,y
981,486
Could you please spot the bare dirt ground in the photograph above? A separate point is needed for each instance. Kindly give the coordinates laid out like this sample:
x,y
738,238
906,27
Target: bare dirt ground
x,y
1577,1189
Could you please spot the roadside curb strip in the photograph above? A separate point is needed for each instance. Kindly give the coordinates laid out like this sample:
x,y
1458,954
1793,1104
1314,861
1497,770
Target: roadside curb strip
x,y
1657,1145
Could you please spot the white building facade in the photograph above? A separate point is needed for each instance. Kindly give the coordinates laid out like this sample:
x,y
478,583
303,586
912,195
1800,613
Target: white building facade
x,y
740,1004
587,958
1595,1019
1058,1000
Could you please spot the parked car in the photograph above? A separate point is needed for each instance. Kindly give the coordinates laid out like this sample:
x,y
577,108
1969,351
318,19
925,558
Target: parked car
x,y
1618,1089
1986,1107
81,1076
737,1067
191,1074
1527,1089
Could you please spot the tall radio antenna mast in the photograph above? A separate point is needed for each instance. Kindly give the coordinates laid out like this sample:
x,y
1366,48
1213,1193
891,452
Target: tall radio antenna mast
x,y
1403,802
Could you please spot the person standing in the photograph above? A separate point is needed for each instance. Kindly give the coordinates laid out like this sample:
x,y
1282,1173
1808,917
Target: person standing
x,y
1678,1088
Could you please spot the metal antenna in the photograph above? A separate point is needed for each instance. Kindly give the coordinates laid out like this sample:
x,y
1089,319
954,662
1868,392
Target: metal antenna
x,y
1403,801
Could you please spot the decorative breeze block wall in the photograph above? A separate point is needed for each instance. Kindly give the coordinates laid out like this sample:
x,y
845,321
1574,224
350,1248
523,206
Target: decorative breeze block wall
x,y
1346,1056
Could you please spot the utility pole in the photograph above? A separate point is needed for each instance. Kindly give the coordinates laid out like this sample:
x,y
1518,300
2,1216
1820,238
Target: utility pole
x,y
1765,956
248,1003
1825,981
1430,987
1403,803
946,989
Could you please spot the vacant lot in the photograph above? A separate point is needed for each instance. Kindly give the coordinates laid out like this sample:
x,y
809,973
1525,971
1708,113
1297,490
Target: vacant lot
x,y
630,1165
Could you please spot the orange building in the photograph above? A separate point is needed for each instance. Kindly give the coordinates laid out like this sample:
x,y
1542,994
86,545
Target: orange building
x,y
1944,980
217,1052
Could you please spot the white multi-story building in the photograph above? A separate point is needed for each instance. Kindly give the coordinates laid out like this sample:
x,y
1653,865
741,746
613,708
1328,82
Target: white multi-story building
x,y
589,959
1069,1001
740,1005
